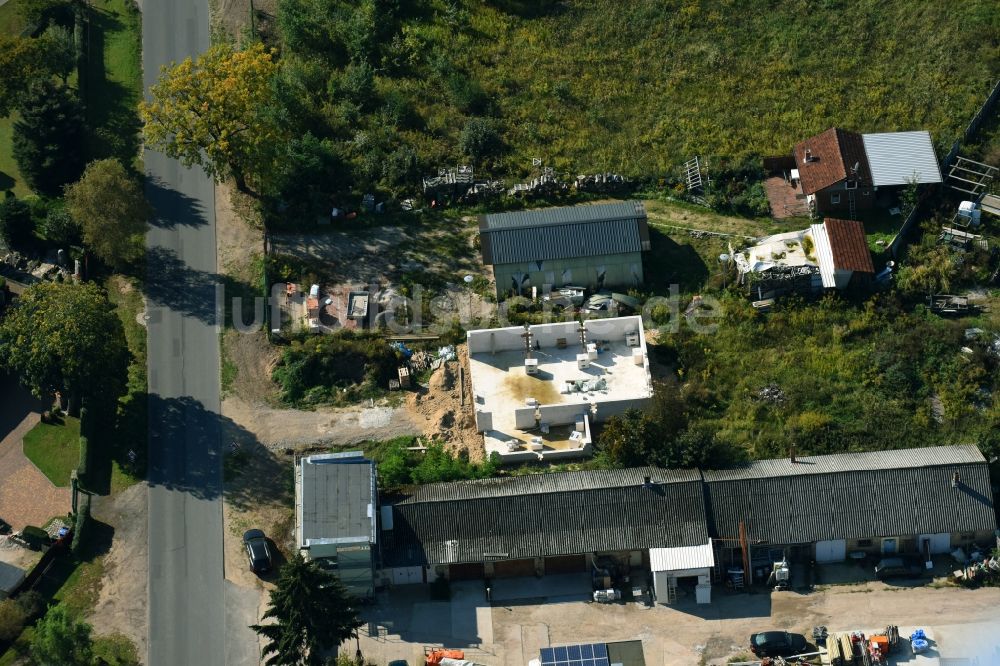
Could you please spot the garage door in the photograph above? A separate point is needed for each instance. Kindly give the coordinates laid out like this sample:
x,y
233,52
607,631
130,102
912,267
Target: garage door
x,y
514,568
939,543
407,575
565,564
473,571
831,551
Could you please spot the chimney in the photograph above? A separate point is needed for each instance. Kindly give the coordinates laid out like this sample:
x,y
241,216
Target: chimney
x,y
647,482
791,453
809,155
954,479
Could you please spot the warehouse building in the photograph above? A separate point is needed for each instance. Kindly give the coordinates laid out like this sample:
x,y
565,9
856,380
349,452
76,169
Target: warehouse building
x,y
336,499
927,500
542,524
595,246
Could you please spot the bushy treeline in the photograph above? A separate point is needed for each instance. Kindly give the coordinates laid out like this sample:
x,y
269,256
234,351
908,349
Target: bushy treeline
x,y
398,466
340,368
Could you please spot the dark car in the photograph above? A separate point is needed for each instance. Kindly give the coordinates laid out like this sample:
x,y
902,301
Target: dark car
x,y
899,567
398,662
258,551
777,644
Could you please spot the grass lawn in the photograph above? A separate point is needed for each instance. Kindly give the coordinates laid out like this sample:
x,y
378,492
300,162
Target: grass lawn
x,y
55,449
127,299
10,178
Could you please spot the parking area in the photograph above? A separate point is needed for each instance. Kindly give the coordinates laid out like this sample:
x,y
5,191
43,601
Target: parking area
x,y
510,633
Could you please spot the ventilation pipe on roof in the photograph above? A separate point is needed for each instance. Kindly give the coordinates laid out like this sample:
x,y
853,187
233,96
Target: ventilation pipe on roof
x,y
955,479
647,482
791,453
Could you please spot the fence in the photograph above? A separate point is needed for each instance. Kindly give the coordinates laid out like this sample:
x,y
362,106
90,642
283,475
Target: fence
x,y
971,129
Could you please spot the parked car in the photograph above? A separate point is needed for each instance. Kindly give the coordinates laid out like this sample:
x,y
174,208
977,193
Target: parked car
x,y
258,551
777,644
899,567
398,662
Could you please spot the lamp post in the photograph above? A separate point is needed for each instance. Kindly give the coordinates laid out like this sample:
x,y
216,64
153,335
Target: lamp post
x,y
468,283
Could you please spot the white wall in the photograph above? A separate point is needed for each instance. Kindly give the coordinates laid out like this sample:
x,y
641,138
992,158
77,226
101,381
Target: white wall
x,y
495,340
606,410
547,334
562,414
524,418
484,421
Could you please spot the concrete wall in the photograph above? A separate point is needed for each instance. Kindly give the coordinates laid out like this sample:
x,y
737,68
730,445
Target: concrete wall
x,y
484,421
563,414
524,418
495,340
606,410
620,271
615,329
547,334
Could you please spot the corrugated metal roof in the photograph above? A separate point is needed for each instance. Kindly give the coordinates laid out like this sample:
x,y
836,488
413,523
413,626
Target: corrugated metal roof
x,y
546,217
560,482
559,233
682,557
845,462
824,255
336,495
521,520
895,158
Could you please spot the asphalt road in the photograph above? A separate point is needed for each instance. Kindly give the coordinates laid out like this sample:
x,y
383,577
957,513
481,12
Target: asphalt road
x,y
187,616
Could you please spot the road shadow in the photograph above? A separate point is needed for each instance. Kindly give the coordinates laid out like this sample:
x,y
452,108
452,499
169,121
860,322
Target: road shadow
x,y
186,445
172,208
172,284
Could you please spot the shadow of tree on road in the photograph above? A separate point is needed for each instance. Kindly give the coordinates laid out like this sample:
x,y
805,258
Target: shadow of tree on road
x,y
186,445
172,208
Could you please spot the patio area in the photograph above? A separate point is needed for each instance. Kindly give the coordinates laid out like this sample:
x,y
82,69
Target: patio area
x,y
786,200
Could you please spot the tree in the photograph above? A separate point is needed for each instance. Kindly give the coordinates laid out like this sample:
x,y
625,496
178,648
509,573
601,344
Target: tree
x,y
59,227
629,439
58,51
66,337
217,112
480,138
17,227
312,612
48,138
38,12
24,62
111,210
60,640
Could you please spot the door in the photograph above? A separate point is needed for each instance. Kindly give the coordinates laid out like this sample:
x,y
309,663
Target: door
x,y
890,546
514,568
565,564
831,551
938,543
470,571
407,575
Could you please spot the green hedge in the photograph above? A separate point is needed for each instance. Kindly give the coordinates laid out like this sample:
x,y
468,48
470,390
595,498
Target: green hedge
x,y
81,527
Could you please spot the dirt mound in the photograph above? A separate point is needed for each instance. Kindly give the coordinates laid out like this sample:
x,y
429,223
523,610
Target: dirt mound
x,y
439,411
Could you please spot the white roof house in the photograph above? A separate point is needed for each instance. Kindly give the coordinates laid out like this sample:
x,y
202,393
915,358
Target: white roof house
x,y
899,158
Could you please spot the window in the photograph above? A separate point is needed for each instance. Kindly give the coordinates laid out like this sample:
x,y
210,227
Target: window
x,y
851,185
835,198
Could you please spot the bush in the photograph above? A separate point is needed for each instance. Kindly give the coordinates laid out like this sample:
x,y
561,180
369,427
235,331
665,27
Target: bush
x,y
12,619
480,138
82,526
84,465
32,603
59,228
35,536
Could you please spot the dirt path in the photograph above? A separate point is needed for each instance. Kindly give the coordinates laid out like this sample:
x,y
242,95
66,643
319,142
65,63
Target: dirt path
x,y
121,606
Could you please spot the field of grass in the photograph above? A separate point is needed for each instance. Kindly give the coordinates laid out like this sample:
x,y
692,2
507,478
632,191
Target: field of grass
x,y
55,448
638,87
131,431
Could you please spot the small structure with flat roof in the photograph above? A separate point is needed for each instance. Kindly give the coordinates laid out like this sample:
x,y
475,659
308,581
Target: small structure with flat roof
x,y
537,389
335,516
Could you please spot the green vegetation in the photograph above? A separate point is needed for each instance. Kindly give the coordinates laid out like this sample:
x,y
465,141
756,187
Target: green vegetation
x,y
398,88
54,448
130,428
828,377
399,467
341,368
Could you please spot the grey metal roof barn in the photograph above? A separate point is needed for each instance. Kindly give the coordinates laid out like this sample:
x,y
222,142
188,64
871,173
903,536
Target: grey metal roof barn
x,y
560,233
896,158
551,514
338,499
853,495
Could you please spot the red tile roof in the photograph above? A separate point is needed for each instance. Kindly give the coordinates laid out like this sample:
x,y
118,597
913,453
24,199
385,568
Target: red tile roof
x,y
849,245
834,154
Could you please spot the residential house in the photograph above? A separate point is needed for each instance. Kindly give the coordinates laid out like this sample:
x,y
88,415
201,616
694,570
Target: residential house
x,y
593,246
336,500
839,172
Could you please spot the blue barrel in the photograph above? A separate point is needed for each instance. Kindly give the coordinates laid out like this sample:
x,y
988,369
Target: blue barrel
x,y
919,645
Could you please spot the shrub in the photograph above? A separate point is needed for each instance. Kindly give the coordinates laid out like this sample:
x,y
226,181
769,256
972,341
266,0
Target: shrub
x,y
84,465
12,619
82,526
480,138
17,228
35,536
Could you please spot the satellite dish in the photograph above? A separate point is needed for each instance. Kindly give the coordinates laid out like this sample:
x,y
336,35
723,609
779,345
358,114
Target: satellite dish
x,y
468,279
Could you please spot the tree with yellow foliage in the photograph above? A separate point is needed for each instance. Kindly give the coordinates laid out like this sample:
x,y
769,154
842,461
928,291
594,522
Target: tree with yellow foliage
x,y
217,112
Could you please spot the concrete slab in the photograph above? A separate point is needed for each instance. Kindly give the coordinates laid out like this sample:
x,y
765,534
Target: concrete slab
x,y
553,589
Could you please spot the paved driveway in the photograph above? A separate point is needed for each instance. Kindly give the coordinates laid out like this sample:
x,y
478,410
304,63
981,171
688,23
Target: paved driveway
x,y
27,497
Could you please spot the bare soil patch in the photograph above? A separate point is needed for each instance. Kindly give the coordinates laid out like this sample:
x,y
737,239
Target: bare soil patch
x,y
439,412
122,602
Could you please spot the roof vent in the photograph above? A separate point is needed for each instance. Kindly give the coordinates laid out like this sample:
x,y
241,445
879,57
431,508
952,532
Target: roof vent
x,y
809,155
647,482
955,479
791,453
